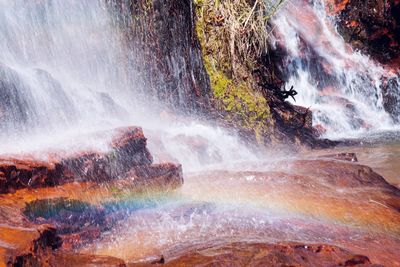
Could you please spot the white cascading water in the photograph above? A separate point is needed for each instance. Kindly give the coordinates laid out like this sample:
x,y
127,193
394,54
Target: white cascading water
x,y
63,73
341,86
60,65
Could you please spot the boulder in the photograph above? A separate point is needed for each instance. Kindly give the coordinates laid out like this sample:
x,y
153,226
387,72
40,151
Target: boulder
x,y
127,149
294,124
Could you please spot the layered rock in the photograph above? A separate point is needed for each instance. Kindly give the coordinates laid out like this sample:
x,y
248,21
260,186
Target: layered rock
x,y
127,150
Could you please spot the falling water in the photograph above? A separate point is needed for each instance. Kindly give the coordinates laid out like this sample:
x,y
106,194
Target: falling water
x,y
341,86
59,65
63,73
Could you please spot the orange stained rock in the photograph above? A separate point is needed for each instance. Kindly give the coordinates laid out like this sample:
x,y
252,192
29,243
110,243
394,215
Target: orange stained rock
x,y
335,6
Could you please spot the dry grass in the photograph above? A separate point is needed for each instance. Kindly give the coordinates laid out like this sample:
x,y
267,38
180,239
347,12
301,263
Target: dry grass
x,y
238,30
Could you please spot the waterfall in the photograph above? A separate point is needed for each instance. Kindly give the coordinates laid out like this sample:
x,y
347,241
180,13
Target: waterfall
x,y
61,64
64,71
342,87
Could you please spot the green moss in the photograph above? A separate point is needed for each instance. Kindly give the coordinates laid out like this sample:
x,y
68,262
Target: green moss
x,y
234,95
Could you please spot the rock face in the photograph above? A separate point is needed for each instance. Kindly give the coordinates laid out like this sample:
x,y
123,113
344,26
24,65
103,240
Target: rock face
x,y
128,150
262,254
372,26
391,97
170,56
167,55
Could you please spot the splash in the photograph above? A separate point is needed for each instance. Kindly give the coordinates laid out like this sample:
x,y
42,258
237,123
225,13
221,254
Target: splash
x,y
343,87
64,73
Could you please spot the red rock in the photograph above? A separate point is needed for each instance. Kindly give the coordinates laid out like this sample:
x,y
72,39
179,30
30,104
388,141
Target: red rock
x,y
27,246
340,173
335,6
128,149
352,157
371,26
263,254
63,259
320,129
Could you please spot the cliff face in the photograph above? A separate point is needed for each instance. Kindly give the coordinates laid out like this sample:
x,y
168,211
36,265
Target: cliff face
x,y
165,53
372,26
205,57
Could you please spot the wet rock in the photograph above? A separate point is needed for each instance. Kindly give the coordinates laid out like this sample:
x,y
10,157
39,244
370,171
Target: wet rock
x,y
32,246
167,176
294,125
62,211
110,106
76,222
372,26
127,150
352,157
61,105
21,110
348,107
391,97
264,254
81,260
341,174
200,147
167,55
20,173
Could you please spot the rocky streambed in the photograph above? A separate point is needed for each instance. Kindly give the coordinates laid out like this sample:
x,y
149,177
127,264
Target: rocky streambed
x,y
63,200
115,207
